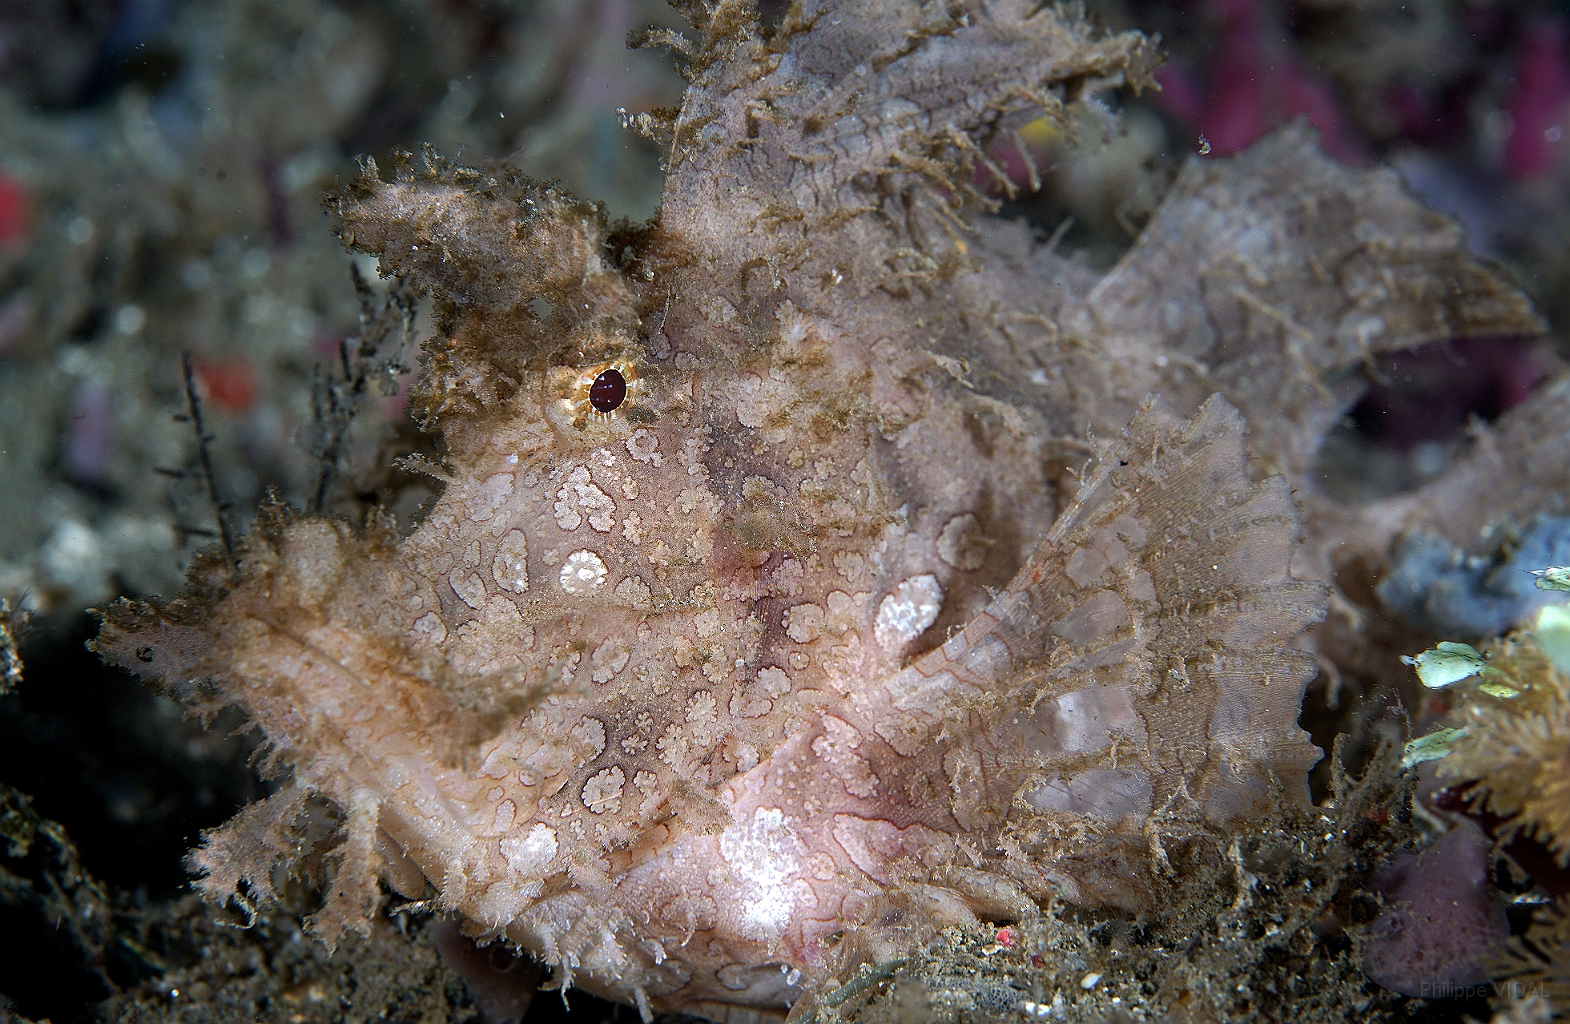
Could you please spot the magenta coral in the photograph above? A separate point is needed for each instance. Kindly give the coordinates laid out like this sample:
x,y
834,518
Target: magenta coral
x,y
1253,85
1539,105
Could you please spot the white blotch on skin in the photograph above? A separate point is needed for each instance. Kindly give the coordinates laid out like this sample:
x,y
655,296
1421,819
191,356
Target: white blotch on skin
x,y
489,496
757,399
528,854
962,545
632,528
602,793
608,659
470,588
583,573
644,446
803,622
648,785
908,611
567,515
510,567
429,629
634,591
580,496
763,855
589,740
775,682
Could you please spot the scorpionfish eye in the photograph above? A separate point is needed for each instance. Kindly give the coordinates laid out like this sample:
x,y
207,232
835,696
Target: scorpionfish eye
x,y
608,391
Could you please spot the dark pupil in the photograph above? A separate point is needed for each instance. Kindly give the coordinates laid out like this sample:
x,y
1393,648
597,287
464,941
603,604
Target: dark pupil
x,y
608,391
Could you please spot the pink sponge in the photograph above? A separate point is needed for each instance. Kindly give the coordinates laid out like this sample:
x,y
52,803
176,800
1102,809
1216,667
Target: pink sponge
x,y
1441,914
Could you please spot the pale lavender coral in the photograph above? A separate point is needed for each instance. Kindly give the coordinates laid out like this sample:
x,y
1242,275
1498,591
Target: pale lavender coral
x,y
1441,588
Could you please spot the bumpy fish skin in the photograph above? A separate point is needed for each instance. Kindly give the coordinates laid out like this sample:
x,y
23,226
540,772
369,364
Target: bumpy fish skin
x,y
885,599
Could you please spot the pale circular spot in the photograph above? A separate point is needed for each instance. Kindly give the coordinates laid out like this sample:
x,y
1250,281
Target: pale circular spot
x,y
130,319
583,573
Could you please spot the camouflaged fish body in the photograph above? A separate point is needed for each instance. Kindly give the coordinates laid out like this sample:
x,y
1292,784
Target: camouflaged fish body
x,y
814,570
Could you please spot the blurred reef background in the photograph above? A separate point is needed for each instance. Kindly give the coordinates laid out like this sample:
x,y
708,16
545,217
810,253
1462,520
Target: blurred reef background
x,y
163,251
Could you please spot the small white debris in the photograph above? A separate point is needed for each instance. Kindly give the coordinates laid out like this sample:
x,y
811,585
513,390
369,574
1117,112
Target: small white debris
x,y
79,231
582,573
1446,663
1434,746
1090,981
130,319
1041,1011
1555,577
908,611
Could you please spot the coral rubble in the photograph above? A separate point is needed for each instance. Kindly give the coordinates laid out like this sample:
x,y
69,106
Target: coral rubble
x,y
178,963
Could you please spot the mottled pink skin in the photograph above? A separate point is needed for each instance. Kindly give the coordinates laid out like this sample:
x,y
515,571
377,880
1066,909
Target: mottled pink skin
x,y
1538,104
1442,914
1252,87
